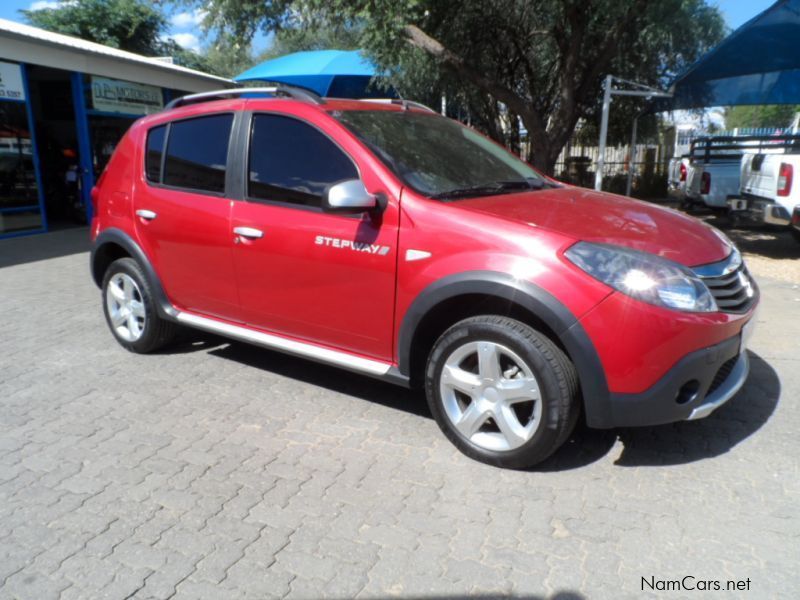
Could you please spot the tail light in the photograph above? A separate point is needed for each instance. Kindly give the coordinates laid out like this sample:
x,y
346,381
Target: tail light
x,y
785,179
683,172
705,183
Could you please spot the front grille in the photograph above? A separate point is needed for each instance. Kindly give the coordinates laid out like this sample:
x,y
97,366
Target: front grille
x,y
722,374
729,283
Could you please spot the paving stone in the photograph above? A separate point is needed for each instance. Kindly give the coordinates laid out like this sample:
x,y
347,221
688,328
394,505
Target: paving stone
x,y
221,470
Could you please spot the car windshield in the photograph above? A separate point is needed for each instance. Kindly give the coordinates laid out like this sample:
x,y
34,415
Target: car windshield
x,y
438,157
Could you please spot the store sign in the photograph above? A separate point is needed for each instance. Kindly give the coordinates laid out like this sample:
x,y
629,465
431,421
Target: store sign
x,y
11,87
112,95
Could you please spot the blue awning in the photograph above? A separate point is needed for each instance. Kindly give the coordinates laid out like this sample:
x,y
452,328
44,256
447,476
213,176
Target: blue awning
x,y
759,63
334,73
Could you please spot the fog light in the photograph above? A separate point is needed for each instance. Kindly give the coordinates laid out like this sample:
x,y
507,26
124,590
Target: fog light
x,y
688,392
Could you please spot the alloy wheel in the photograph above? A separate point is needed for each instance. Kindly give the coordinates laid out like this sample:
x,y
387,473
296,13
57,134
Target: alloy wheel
x,y
126,309
491,396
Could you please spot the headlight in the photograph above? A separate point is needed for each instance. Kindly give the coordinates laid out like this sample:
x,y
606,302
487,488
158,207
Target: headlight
x,y
643,276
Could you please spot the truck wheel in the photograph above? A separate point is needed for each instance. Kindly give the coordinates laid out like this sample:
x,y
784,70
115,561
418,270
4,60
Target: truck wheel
x,y
795,233
502,392
130,310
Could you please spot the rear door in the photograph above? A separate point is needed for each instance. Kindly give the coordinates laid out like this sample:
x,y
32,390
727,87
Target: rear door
x,y
321,277
183,216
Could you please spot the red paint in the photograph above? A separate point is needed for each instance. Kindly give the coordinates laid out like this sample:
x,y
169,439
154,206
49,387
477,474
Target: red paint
x,y
289,283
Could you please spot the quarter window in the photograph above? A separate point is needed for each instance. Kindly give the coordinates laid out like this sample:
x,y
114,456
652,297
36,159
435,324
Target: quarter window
x,y
291,161
197,151
155,148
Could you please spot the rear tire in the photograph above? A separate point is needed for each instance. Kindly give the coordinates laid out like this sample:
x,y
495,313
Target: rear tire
x,y
795,233
502,392
130,309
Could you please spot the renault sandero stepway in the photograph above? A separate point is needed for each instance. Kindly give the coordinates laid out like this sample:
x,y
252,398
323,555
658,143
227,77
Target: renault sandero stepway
x,y
392,242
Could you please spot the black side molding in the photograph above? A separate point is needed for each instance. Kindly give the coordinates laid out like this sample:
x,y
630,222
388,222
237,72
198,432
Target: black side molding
x,y
545,306
116,236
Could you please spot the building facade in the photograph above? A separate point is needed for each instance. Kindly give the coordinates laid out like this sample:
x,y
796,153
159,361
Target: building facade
x,y
64,104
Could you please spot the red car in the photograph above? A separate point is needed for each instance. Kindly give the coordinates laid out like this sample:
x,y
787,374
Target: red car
x,y
396,243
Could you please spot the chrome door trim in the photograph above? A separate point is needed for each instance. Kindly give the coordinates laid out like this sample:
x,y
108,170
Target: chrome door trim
x,y
318,353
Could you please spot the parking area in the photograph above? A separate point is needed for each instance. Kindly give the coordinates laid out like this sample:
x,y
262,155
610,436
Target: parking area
x,y
215,469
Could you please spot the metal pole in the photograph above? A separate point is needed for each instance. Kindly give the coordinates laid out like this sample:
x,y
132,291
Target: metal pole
x,y
598,176
632,160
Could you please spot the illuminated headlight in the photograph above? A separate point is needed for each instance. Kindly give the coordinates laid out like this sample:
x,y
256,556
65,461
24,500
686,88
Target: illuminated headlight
x,y
643,276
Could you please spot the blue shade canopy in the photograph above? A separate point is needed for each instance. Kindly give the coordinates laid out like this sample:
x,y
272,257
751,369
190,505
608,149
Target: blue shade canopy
x,y
759,63
337,73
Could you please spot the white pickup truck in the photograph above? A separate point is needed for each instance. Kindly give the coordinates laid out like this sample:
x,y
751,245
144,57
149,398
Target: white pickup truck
x,y
768,191
714,170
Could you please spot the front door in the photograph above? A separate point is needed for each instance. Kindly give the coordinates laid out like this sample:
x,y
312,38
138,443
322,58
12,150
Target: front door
x,y
320,277
183,218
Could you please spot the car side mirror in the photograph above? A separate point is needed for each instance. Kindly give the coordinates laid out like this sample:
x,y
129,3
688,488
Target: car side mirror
x,y
348,197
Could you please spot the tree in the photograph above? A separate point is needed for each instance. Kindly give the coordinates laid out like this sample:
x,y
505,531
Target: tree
x,y
132,25
540,60
774,115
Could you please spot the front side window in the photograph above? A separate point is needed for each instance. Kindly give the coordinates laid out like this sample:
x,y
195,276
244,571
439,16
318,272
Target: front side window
x,y
155,148
438,157
197,151
291,161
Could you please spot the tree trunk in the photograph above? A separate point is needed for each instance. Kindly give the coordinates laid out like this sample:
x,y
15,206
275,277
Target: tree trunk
x,y
539,154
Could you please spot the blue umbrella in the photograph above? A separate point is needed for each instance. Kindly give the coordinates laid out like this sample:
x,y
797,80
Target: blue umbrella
x,y
333,73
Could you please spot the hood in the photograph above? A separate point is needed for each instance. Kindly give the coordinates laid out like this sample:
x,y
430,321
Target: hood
x,y
606,218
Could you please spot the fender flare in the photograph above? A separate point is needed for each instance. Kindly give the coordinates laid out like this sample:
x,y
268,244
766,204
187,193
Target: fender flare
x,y
536,300
112,235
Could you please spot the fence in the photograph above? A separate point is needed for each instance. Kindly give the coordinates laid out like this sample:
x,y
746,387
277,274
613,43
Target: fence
x,y
650,162
577,164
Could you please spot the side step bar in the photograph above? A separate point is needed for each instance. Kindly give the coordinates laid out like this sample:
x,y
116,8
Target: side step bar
x,y
325,355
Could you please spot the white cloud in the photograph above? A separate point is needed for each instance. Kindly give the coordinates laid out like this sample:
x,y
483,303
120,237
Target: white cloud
x,y
186,40
184,20
44,4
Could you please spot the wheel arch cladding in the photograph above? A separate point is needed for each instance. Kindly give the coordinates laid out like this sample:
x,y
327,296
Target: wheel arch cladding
x,y
516,294
112,244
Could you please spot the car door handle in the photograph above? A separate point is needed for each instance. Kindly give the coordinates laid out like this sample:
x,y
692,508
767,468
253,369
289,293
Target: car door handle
x,y
146,214
248,232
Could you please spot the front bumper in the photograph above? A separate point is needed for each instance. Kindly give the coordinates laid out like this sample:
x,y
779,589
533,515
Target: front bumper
x,y
693,388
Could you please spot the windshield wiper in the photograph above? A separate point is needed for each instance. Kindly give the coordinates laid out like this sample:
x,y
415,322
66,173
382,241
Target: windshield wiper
x,y
496,187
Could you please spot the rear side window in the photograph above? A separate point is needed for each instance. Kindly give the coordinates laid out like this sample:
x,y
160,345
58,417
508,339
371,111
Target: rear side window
x,y
291,161
155,148
197,151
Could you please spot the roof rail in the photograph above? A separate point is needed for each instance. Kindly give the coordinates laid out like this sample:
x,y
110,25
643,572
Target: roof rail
x,y
287,91
401,101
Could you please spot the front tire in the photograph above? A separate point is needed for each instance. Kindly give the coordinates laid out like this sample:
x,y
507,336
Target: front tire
x,y
130,309
502,392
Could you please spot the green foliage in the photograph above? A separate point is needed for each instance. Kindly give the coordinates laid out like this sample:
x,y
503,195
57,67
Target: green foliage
x,y
774,115
540,60
132,25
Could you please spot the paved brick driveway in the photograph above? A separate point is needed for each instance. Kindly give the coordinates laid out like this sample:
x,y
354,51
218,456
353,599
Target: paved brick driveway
x,y
219,470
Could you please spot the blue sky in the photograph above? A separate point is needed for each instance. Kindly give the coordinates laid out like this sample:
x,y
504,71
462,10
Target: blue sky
x,y
185,30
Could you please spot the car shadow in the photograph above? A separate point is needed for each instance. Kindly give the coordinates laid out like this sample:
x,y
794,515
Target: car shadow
x,y
690,441
321,375
677,443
